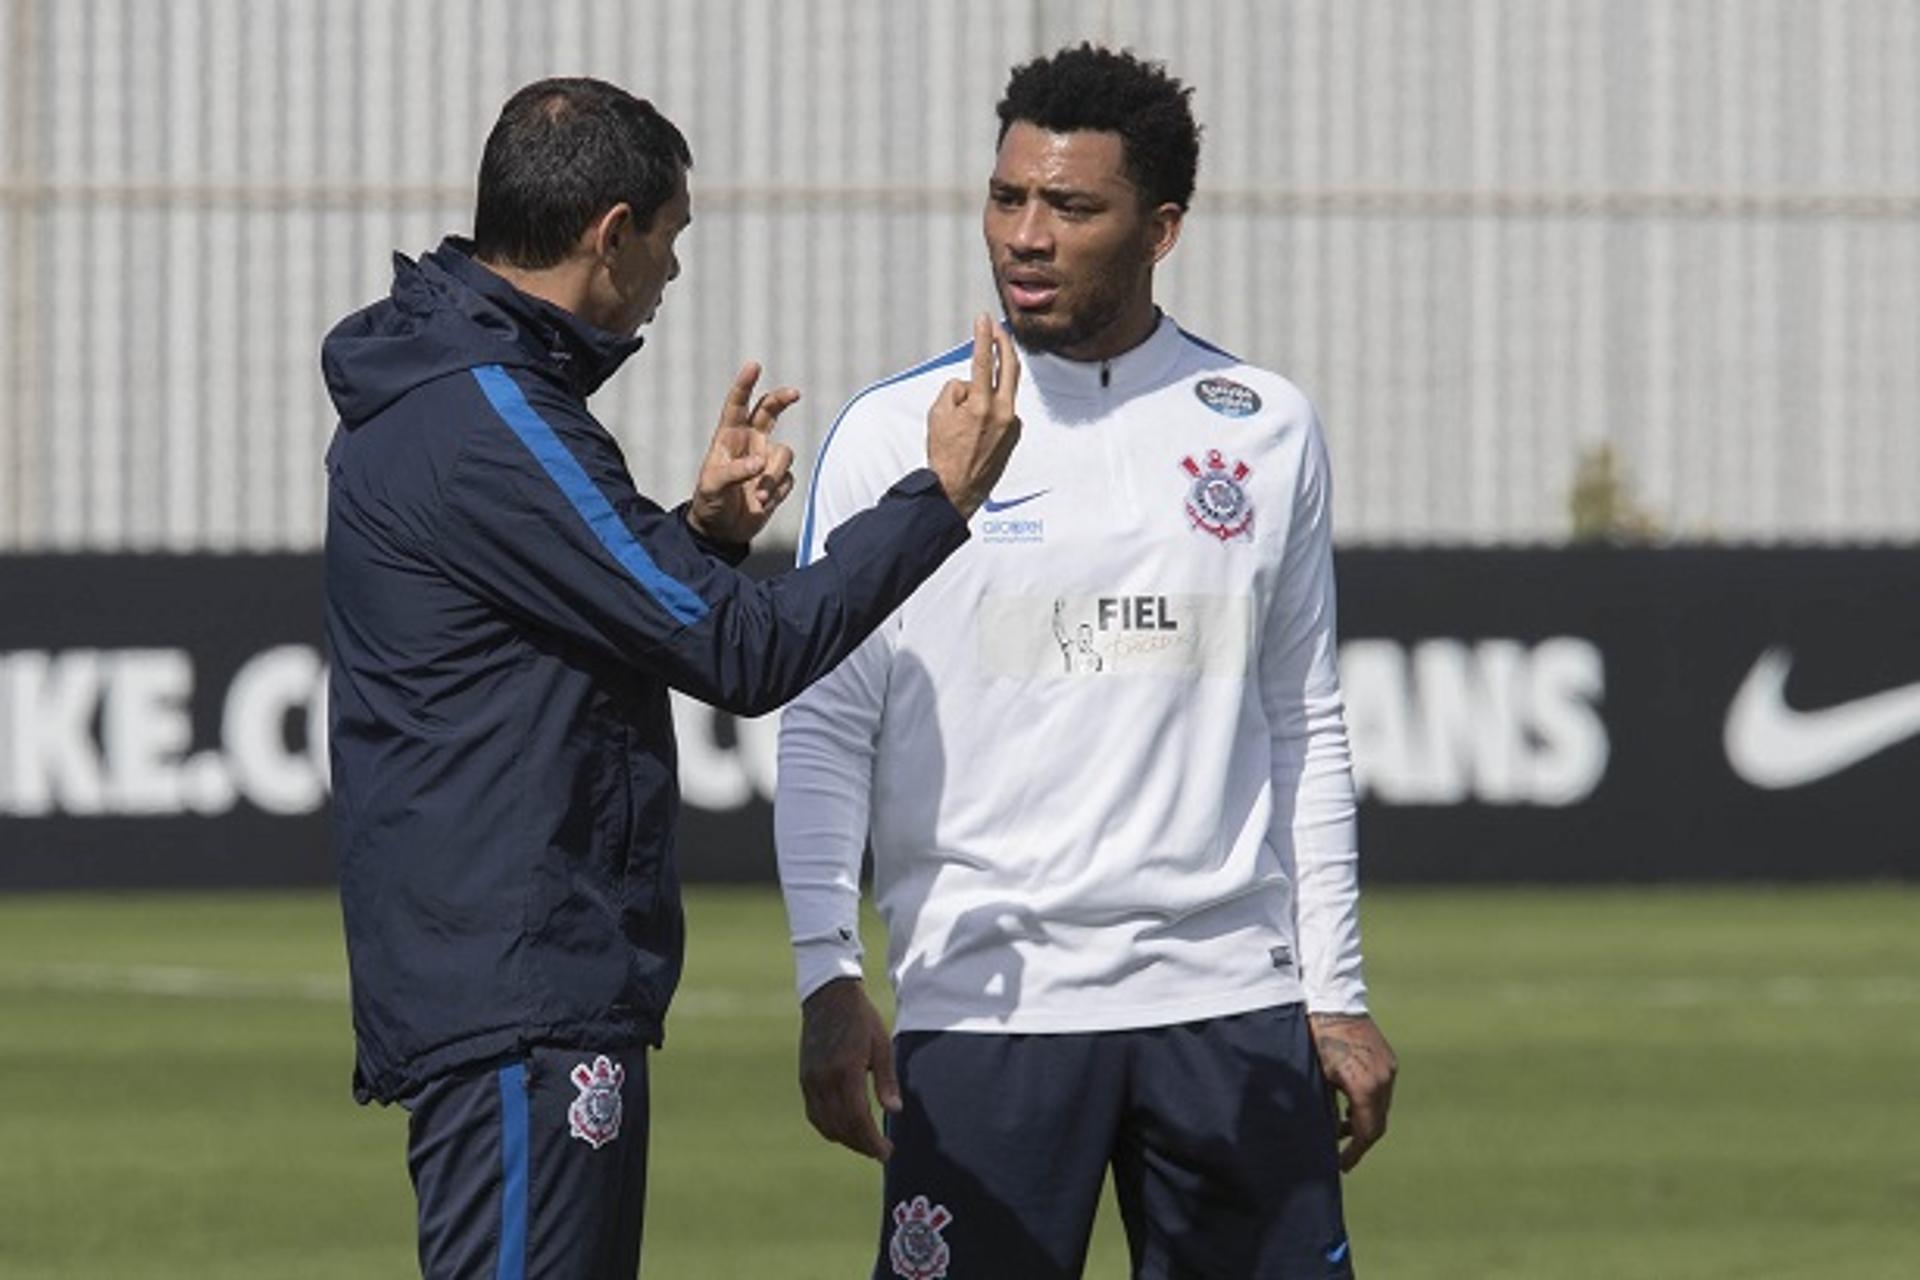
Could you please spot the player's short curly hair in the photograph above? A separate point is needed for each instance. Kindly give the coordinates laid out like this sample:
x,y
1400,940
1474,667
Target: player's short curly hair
x,y
1093,88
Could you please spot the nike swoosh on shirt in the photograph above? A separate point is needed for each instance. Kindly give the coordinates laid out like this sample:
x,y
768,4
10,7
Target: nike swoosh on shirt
x,y
993,506
1775,747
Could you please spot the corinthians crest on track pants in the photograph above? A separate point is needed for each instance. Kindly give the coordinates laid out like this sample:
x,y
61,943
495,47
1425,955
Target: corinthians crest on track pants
x,y
533,1167
1219,1135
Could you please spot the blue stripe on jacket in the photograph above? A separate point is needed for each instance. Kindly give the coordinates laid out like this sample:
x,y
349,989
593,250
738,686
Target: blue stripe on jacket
x,y
504,394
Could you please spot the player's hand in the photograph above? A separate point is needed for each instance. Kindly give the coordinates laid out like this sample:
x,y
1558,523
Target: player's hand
x,y
842,1038
1360,1067
972,426
745,475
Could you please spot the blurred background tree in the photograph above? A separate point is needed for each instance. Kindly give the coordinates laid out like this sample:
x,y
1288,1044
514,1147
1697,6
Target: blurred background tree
x,y
1602,502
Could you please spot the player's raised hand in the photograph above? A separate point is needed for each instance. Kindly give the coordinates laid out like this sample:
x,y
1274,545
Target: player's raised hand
x,y
1360,1067
972,427
842,1039
745,476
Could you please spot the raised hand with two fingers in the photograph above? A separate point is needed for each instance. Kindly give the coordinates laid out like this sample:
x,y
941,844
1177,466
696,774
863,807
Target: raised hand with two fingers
x,y
745,476
973,426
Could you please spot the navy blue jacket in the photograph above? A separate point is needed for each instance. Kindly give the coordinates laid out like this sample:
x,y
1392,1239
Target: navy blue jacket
x,y
506,615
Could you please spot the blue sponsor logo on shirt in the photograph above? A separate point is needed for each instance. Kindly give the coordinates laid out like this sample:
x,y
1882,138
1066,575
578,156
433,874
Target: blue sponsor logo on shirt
x,y
1227,397
1013,529
996,528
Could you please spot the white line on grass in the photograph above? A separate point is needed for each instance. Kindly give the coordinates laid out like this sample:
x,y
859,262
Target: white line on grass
x,y
720,1003
1697,993
175,980
188,982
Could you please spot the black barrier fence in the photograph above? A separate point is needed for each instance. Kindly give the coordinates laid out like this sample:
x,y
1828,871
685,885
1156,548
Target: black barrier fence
x,y
1571,715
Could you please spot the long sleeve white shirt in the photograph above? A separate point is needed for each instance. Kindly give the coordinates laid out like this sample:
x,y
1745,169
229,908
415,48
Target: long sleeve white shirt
x,y
1100,756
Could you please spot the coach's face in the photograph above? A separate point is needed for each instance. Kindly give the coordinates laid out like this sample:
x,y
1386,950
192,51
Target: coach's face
x,y
1073,243
638,262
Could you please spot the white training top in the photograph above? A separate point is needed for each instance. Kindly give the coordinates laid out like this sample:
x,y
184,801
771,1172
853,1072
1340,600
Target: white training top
x,y
1101,753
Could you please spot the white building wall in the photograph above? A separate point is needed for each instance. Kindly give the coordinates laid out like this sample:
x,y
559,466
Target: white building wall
x,y
1486,235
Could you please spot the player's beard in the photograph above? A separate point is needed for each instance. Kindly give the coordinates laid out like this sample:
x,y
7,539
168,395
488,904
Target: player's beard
x,y
1061,331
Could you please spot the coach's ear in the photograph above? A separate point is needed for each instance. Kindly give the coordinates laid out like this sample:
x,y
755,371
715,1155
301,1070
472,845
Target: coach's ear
x,y
602,240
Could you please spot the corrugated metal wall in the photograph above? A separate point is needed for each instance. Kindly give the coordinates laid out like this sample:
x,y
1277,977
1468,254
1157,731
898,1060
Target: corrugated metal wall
x,y
1486,235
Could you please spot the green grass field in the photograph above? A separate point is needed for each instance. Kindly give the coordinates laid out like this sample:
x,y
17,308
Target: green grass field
x,y
1594,1084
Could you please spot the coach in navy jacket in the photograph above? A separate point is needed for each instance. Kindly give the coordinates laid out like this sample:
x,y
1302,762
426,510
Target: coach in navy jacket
x,y
506,615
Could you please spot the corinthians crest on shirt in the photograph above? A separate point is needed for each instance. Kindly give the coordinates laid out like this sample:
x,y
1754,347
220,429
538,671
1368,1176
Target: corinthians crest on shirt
x,y
1217,500
594,1117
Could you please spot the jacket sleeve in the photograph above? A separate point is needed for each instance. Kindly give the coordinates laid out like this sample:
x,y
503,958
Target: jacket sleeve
x,y
828,740
541,519
1312,768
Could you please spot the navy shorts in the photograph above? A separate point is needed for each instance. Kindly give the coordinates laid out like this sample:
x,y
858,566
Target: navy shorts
x,y
531,1168
1220,1136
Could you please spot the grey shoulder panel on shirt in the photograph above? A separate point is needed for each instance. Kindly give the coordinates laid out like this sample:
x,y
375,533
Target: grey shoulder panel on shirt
x,y
854,410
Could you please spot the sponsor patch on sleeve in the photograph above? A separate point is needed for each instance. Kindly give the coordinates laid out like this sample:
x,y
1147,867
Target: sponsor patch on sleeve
x,y
1227,397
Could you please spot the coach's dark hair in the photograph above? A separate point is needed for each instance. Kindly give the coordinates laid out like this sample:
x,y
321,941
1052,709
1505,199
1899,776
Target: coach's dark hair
x,y
1092,88
563,153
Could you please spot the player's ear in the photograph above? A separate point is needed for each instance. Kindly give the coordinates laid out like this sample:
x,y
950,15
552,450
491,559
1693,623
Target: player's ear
x,y
1163,229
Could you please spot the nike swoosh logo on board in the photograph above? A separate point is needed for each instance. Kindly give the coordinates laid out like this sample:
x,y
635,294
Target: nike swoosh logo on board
x,y
1775,747
993,506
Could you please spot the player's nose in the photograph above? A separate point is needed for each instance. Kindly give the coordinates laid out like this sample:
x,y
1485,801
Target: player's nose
x,y
1031,235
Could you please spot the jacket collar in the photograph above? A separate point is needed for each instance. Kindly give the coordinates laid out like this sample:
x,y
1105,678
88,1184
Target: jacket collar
x,y
552,338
